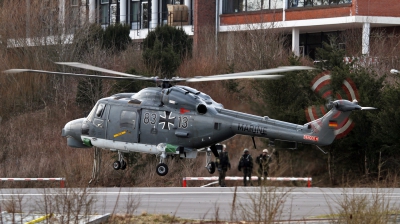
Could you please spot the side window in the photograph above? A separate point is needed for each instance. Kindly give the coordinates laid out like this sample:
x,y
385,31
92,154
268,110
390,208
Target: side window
x,y
128,119
100,110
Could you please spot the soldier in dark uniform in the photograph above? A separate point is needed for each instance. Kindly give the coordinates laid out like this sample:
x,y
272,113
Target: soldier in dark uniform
x,y
246,164
263,161
223,166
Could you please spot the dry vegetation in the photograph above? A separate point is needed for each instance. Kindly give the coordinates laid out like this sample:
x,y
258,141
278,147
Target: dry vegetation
x,y
375,207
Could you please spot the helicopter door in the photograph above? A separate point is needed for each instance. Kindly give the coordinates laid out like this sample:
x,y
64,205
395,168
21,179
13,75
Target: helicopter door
x,y
99,121
122,125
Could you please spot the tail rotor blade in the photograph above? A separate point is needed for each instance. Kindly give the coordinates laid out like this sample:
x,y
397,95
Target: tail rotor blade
x,y
351,90
321,85
368,108
344,128
314,112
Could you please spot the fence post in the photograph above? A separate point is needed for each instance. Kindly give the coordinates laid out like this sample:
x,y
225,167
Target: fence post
x,y
184,182
62,183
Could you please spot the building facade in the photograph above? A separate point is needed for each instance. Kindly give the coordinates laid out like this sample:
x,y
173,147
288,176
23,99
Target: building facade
x,y
310,21
307,22
141,15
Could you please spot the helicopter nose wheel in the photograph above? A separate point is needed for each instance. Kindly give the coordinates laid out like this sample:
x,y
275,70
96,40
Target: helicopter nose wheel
x,y
162,169
211,167
119,164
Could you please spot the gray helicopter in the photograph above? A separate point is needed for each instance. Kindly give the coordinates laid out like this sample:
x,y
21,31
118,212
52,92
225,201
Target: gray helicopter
x,y
180,121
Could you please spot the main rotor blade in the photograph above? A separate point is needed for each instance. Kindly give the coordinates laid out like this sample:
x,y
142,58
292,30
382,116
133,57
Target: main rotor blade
x,y
14,71
132,78
98,69
215,78
259,74
269,71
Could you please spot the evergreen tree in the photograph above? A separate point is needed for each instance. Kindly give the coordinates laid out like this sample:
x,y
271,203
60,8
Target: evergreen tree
x,y
165,48
355,153
117,36
386,130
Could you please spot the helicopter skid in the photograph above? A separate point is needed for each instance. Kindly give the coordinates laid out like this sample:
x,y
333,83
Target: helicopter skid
x,y
134,147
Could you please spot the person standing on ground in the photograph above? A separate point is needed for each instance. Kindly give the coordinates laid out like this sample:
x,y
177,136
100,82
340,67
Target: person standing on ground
x,y
246,164
263,161
223,166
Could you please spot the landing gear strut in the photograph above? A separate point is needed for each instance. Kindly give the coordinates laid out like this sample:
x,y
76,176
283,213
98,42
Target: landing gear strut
x,y
120,163
162,168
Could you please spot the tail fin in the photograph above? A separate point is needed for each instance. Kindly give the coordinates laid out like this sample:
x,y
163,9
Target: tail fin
x,y
334,124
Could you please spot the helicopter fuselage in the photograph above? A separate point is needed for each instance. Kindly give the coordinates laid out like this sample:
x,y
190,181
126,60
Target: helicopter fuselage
x,y
180,120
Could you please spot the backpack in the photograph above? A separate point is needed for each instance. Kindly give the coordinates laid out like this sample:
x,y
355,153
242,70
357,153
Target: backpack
x,y
245,161
223,159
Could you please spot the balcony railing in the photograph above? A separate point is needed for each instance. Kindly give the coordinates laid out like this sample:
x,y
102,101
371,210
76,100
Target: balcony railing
x,y
313,3
237,6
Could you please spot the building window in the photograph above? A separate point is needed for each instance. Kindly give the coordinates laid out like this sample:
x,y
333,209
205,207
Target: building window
x,y
275,4
256,5
309,42
311,3
104,12
135,14
145,15
164,8
235,6
139,14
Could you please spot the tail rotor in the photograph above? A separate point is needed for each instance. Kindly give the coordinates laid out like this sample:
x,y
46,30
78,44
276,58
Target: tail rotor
x,y
322,86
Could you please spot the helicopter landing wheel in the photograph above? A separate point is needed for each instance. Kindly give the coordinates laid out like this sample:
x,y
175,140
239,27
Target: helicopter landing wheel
x,y
117,165
211,167
162,169
123,165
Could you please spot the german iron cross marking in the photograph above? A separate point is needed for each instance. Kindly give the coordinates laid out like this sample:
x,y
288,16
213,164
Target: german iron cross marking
x,y
167,120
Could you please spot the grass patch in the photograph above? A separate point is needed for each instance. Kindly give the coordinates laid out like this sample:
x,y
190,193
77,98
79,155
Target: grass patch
x,y
146,218
373,207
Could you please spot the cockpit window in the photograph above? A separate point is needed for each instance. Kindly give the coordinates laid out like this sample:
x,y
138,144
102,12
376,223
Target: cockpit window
x,y
100,110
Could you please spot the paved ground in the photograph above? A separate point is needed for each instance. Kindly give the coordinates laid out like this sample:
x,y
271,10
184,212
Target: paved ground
x,y
197,202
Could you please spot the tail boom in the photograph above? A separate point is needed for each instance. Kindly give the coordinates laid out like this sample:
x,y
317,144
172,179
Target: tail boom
x,y
322,131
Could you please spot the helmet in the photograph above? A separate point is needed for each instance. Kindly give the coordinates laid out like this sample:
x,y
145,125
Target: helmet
x,y
265,150
245,150
223,146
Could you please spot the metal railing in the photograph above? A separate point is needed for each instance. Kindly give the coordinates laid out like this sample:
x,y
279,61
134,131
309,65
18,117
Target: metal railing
x,y
313,3
307,179
62,180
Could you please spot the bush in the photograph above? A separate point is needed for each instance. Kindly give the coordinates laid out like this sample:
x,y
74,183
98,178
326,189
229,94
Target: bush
x,y
165,47
116,36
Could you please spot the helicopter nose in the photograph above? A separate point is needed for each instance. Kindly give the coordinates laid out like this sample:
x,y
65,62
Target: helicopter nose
x,y
73,131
